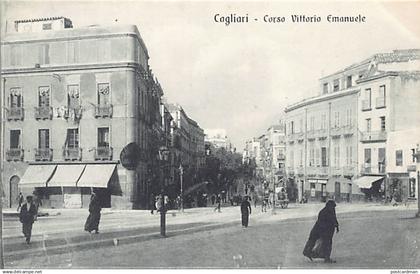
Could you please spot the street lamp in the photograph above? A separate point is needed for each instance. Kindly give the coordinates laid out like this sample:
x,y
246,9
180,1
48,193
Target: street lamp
x,y
163,157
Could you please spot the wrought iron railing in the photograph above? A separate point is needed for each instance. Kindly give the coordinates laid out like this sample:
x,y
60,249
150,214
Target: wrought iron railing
x,y
43,154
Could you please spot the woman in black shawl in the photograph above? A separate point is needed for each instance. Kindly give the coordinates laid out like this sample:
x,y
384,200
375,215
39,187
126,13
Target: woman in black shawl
x,y
92,222
322,232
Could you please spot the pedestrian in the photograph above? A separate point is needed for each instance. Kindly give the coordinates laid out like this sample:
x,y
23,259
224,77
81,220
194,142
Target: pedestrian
x,y
152,203
213,199
245,211
19,199
37,202
27,218
255,200
218,203
322,234
92,222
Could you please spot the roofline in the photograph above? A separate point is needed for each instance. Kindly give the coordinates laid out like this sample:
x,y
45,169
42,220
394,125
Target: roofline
x,y
318,99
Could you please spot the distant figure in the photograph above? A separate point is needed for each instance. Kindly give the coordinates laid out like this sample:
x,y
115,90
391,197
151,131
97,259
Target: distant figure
x,y
159,203
37,202
92,222
245,211
322,234
19,199
213,199
178,202
218,203
152,203
27,217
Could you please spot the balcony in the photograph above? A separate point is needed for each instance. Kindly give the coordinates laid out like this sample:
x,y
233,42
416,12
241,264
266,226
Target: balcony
x,y
366,105
103,153
380,102
336,171
43,154
72,154
349,171
377,169
103,111
74,113
373,136
44,112
15,113
281,157
343,130
14,154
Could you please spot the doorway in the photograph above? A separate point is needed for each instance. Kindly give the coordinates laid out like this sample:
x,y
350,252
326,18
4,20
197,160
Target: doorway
x,y
14,191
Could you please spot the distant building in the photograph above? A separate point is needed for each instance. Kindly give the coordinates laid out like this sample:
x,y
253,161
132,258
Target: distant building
x,y
218,138
336,142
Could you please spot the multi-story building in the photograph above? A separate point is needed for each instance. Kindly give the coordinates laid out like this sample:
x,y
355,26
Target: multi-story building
x,y
336,142
74,101
218,138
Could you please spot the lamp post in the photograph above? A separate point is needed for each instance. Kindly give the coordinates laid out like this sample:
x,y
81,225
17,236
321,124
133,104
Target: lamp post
x,y
163,157
181,173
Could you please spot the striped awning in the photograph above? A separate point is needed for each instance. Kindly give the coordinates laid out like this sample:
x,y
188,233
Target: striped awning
x,y
37,175
66,175
367,181
96,175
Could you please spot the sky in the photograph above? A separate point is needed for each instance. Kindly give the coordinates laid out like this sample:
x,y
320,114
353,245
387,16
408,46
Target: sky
x,y
240,77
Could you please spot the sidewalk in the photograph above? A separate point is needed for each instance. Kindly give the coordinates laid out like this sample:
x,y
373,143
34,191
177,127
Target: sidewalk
x,y
62,230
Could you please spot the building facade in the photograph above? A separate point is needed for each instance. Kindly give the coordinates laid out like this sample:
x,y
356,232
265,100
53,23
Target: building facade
x,y
81,102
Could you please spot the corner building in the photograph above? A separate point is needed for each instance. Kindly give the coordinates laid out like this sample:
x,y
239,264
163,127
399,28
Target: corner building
x,y
73,99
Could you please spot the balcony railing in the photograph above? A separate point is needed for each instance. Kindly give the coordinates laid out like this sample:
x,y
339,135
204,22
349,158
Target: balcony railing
x,y
103,153
73,113
103,111
374,136
15,113
376,169
44,112
43,154
14,154
380,102
72,154
349,171
366,105
343,130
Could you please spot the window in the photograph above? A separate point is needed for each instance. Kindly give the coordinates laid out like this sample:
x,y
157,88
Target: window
x,y
44,54
73,52
336,85
103,137
412,188
46,26
43,96
44,138
301,125
16,55
325,88
324,121
382,91
311,157
368,125
337,156
317,157
368,156
349,81
73,96
368,97
382,123
16,100
381,159
291,127
15,138
103,94
399,158
336,119
72,140
312,123
301,158
348,117
324,161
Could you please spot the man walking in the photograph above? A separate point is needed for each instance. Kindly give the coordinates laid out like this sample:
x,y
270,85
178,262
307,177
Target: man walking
x,y
218,203
27,217
92,222
245,211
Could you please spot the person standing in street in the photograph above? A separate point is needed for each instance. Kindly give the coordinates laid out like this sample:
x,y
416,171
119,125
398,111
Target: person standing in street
x,y
37,202
218,203
20,201
27,218
245,211
322,232
92,222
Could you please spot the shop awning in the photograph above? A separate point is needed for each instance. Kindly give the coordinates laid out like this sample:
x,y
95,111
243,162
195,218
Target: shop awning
x,y
96,176
37,175
367,181
66,175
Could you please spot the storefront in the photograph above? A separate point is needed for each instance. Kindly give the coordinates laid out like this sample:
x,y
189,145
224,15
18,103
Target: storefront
x,y
71,185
